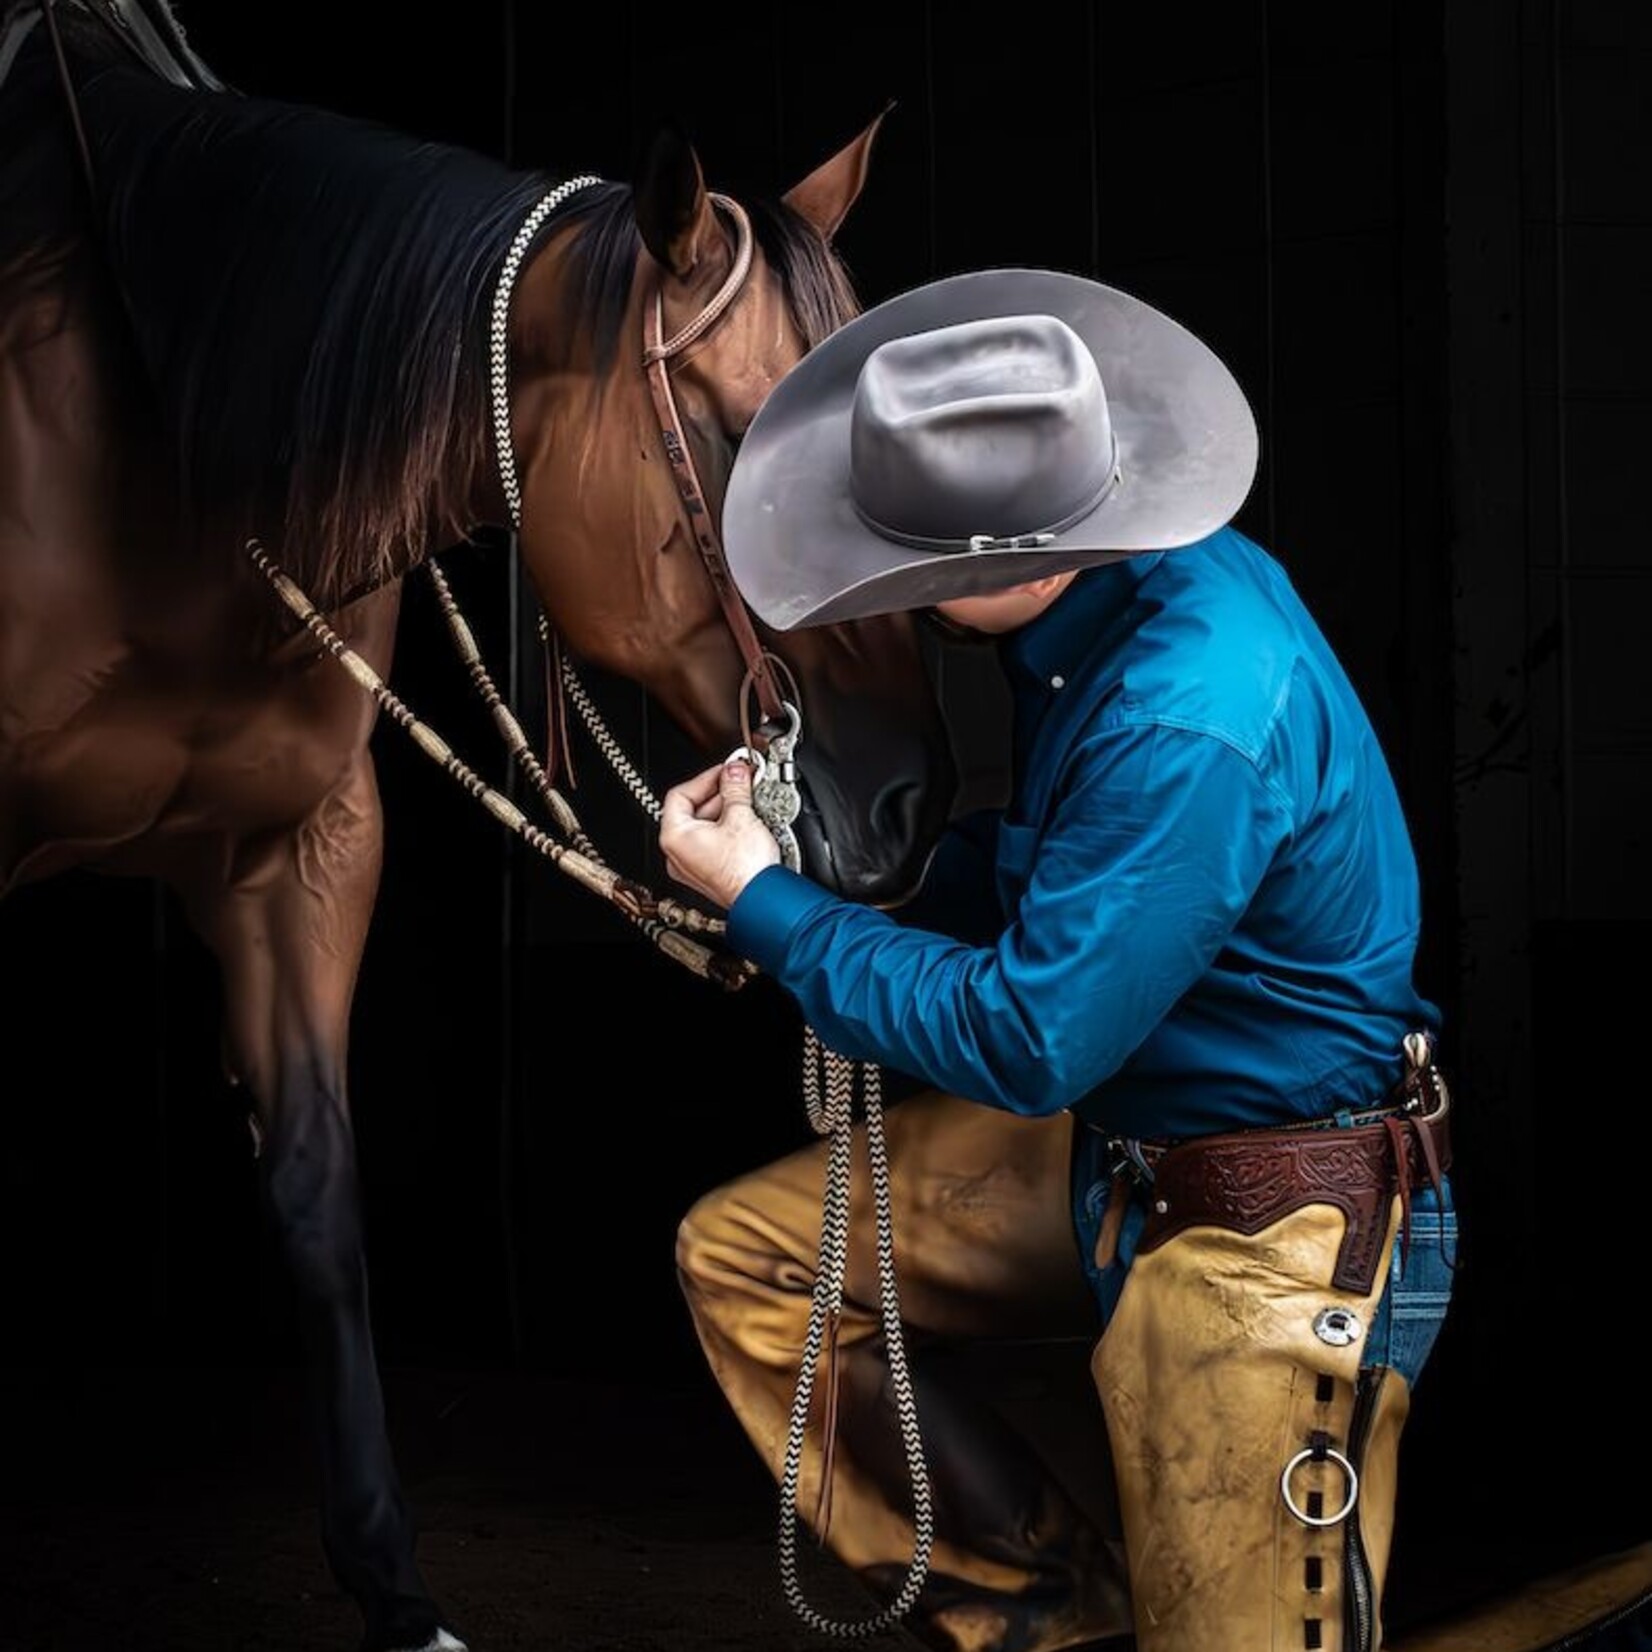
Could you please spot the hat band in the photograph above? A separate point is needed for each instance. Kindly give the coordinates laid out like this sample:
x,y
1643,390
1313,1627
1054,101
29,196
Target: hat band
x,y
1028,540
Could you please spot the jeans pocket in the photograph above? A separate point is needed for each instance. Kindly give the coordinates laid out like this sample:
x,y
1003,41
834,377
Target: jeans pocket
x,y
1420,1278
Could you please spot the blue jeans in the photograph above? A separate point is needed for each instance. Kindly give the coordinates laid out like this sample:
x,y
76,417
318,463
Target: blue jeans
x,y
1419,1287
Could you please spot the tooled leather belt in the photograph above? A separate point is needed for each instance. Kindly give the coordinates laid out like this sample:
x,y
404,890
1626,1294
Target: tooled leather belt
x,y
1245,1180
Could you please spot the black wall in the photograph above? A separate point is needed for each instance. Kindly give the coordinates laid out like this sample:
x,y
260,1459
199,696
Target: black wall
x,y
1422,235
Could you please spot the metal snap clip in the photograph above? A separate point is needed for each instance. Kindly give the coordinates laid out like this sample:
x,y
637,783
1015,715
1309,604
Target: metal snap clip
x,y
1337,1326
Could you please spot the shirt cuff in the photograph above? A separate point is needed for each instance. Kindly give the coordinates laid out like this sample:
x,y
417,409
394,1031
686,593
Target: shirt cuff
x,y
767,910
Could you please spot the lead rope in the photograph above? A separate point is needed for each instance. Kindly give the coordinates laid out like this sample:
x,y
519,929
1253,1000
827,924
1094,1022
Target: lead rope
x,y
831,1116
834,1117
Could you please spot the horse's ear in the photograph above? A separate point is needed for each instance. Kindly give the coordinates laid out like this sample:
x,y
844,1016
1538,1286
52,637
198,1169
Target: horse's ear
x,y
672,206
825,196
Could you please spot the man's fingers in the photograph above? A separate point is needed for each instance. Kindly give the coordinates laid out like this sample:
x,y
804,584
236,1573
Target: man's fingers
x,y
685,799
735,782
710,837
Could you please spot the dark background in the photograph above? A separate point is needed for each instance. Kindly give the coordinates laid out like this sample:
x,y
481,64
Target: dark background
x,y
1421,234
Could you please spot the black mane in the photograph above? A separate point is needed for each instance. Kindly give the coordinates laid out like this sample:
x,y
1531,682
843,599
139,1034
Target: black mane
x,y
310,296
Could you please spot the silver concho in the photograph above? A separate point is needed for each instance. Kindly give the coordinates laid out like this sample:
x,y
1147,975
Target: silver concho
x,y
1337,1326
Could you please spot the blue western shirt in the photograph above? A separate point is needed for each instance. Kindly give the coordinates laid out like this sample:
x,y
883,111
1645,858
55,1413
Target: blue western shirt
x,y
1199,908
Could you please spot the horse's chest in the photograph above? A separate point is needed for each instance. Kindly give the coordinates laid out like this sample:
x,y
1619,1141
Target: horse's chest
x,y
119,765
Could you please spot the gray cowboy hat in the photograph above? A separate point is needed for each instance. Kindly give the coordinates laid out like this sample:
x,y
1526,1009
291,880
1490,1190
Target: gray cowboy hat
x,y
982,430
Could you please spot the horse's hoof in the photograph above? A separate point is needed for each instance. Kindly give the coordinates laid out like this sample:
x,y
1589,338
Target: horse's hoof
x,y
410,1623
441,1641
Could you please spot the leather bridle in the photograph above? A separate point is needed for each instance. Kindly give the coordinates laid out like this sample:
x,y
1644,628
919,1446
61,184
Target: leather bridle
x,y
773,743
657,354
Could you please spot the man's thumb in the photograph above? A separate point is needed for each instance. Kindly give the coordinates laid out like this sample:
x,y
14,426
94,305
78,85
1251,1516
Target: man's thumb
x,y
736,782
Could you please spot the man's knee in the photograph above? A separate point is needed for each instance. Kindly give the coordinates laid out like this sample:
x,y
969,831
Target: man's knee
x,y
702,1234
746,1251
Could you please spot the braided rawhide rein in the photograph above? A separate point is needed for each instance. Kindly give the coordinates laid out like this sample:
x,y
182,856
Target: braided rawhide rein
x,y
662,919
831,1115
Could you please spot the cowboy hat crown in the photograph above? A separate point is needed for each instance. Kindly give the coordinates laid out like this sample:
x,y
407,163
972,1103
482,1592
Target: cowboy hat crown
x,y
984,430
977,432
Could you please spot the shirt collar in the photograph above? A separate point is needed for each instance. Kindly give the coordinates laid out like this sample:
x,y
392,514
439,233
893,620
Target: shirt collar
x,y
1055,644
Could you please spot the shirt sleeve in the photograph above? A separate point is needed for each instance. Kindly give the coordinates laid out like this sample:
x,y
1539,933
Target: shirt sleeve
x,y
1156,847
959,892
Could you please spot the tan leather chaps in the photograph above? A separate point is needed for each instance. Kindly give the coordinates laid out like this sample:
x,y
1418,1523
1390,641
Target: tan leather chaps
x,y
1163,1511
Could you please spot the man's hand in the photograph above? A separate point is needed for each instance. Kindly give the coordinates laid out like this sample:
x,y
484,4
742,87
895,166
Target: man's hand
x,y
711,838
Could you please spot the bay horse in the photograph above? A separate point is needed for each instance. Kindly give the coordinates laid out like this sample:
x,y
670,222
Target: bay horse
x,y
227,320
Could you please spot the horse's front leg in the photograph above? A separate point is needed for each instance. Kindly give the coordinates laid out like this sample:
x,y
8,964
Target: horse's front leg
x,y
288,929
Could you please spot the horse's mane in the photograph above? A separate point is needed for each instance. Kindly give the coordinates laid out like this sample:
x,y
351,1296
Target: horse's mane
x,y
310,295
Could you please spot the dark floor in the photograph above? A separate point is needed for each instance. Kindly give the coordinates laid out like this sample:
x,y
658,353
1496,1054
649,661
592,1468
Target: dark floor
x,y
148,1510
172,1512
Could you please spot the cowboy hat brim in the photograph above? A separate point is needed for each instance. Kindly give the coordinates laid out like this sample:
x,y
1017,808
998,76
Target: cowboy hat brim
x,y
801,554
